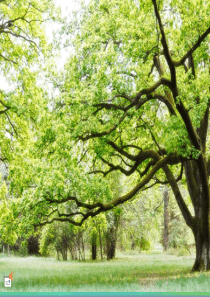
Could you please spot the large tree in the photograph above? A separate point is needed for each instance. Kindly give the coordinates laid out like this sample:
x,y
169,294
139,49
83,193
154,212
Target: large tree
x,y
23,46
134,98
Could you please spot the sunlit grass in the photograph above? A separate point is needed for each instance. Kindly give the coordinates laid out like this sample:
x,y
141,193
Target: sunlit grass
x,y
196,283
131,272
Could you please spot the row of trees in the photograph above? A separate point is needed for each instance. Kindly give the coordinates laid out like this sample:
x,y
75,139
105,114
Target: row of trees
x,y
139,225
132,99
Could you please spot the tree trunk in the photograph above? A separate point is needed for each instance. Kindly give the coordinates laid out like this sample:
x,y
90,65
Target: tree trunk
x,y
200,198
94,246
166,220
202,252
83,248
111,243
33,245
58,257
64,253
201,234
197,177
100,241
197,182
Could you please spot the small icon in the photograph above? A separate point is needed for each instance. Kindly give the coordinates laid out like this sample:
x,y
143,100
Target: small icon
x,y
11,276
8,280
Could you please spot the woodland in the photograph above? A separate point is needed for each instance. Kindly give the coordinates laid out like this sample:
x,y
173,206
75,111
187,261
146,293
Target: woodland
x,y
110,150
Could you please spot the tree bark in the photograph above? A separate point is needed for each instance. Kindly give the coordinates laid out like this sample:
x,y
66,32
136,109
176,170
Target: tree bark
x,y
111,243
8,250
197,183
64,253
200,198
33,245
83,247
166,220
111,238
58,257
100,241
94,246
202,251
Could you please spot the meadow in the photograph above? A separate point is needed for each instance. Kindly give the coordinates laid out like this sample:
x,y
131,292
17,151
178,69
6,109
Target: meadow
x,y
129,272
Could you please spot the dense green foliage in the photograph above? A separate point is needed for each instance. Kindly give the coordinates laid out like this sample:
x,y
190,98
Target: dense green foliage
x,y
130,110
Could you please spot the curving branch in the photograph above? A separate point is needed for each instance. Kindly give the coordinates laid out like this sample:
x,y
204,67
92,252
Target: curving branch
x,y
108,106
165,45
5,110
179,177
160,98
180,201
147,168
70,198
148,91
121,151
193,48
100,134
97,208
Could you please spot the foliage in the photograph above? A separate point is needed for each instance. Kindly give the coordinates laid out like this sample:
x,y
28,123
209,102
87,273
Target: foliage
x,y
23,44
7,233
125,102
141,221
145,244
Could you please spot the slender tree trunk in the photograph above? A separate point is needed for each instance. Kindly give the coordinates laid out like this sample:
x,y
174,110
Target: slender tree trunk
x,y
64,253
101,247
79,252
72,252
111,238
94,246
166,220
58,255
111,243
83,248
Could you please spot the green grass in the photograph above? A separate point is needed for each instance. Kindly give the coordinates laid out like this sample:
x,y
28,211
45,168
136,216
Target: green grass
x,y
197,283
131,272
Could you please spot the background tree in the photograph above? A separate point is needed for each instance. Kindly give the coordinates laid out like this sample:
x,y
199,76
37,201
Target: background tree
x,y
23,40
166,219
140,225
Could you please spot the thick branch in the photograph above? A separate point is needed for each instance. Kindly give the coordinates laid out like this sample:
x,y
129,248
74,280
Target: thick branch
x,y
101,208
191,181
182,205
72,198
121,151
148,91
160,98
164,43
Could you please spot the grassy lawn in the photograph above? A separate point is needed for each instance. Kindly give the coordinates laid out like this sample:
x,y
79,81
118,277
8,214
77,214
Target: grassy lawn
x,y
128,273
